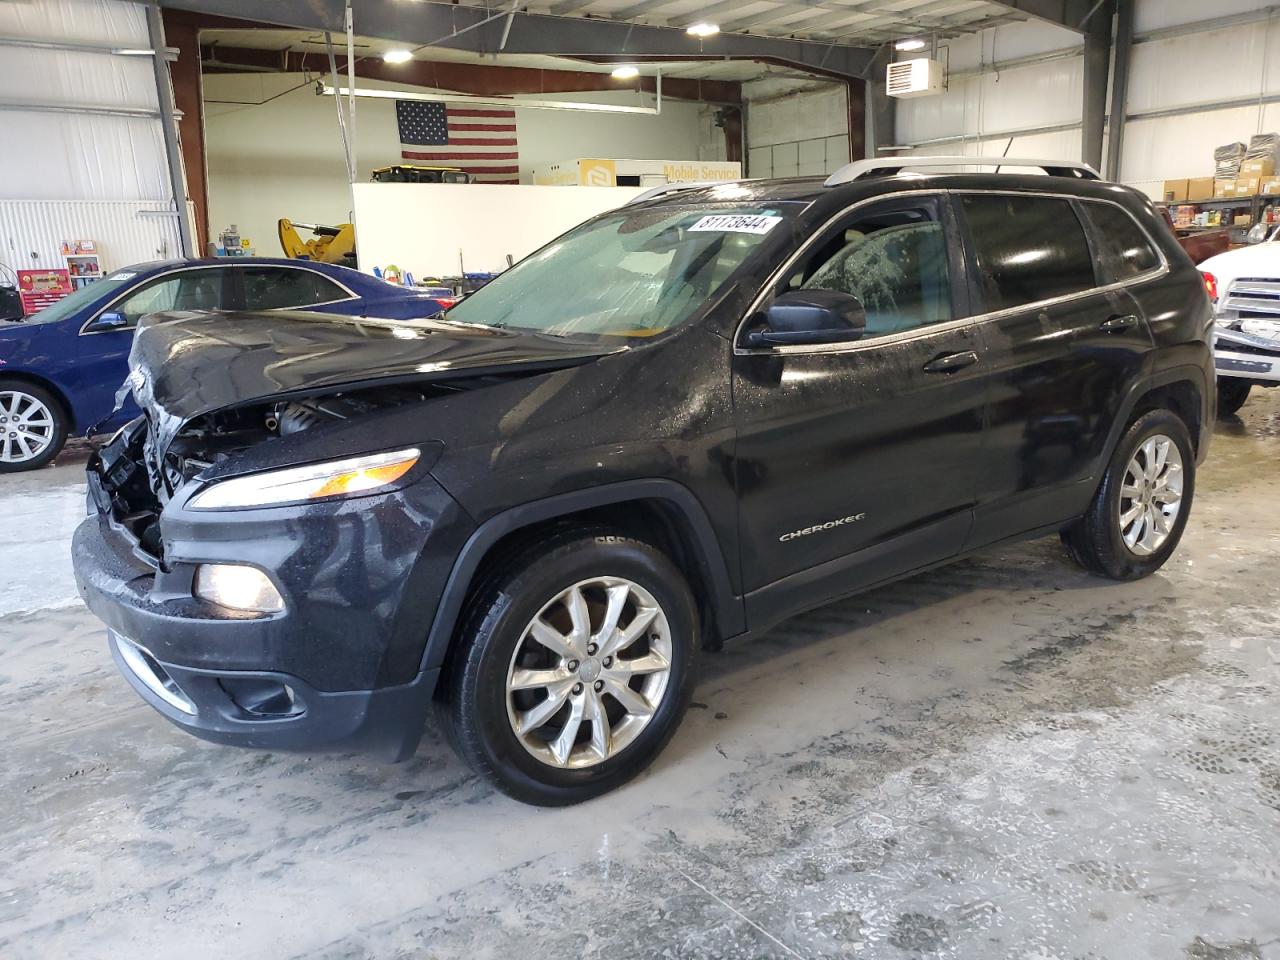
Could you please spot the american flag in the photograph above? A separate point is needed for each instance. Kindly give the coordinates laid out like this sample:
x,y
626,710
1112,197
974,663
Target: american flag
x,y
479,140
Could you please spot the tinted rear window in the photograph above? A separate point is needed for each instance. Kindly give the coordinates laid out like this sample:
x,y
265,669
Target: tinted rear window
x,y
1029,248
1127,252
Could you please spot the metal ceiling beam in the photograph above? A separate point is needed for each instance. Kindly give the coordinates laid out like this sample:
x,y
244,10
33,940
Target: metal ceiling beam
x,y
480,31
1071,14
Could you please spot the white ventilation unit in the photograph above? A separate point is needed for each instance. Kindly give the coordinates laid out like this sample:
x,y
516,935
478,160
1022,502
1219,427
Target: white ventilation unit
x,y
914,78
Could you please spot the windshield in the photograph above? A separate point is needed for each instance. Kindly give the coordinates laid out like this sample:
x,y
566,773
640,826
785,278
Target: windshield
x,y
83,297
633,273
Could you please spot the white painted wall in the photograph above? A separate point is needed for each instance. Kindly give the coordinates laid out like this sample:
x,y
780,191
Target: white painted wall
x,y
985,104
490,222
795,133
282,157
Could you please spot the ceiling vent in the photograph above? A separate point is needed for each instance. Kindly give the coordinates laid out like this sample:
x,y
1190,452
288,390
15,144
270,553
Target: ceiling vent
x,y
914,78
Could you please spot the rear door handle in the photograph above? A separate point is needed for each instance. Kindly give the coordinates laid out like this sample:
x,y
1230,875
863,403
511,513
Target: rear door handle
x,y
1118,324
951,362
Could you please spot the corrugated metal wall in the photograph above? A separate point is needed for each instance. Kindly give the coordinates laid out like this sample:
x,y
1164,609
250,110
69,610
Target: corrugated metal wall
x,y
32,231
1175,67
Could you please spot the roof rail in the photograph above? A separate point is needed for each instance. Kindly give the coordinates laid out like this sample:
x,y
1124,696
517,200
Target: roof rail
x,y
891,166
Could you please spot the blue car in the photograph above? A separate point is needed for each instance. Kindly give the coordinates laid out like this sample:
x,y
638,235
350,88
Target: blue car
x,y
60,369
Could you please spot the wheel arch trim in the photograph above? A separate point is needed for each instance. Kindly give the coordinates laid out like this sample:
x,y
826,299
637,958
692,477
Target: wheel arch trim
x,y
728,606
1190,374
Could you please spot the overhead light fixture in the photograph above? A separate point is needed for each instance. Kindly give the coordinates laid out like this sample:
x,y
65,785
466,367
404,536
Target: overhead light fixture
x,y
397,56
703,29
913,44
378,93
626,72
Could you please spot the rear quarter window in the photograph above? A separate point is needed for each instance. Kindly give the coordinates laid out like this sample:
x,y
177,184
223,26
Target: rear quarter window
x,y
1126,249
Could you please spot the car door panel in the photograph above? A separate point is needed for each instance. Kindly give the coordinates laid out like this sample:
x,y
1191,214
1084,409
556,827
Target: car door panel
x,y
1060,372
858,462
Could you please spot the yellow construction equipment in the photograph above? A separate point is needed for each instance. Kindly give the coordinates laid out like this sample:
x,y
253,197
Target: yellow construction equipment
x,y
335,244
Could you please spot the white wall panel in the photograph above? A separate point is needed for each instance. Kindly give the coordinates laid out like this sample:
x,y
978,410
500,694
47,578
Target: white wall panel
x,y
1011,42
802,134
32,75
53,156
78,21
1036,95
1203,67
31,232
1157,14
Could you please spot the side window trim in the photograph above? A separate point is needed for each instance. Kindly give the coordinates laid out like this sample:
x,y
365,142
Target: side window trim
x,y
1102,265
1107,260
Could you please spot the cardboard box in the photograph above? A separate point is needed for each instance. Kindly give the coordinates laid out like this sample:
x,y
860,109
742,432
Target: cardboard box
x,y
1175,191
1244,220
1270,187
1200,188
1224,188
1263,167
1247,186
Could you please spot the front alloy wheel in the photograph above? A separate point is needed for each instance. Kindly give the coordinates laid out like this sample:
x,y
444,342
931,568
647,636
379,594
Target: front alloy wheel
x,y
589,672
574,666
32,426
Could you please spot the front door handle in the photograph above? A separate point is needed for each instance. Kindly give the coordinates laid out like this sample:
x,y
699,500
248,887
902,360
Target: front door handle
x,y
1118,324
951,362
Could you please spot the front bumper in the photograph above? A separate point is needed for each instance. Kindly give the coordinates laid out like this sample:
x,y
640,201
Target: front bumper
x,y
339,668
1246,356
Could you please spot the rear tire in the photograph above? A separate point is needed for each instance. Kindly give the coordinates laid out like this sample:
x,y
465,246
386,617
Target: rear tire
x,y
1134,523
520,699
1232,393
33,426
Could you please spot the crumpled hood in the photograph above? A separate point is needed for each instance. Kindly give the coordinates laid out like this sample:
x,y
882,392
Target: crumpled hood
x,y
186,364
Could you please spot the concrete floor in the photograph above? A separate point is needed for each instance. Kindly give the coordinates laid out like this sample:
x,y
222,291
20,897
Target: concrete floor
x,y
1005,758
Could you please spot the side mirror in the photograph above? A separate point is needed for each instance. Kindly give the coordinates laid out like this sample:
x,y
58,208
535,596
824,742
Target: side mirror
x,y
110,320
804,317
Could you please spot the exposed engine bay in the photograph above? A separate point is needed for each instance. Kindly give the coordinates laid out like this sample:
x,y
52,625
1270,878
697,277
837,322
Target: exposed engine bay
x,y
137,478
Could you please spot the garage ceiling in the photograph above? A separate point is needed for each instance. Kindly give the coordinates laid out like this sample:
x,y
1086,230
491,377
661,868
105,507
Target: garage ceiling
x,y
858,22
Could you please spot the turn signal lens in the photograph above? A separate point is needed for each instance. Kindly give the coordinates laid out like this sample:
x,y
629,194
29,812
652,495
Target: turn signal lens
x,y
1211,285
337,478
237,587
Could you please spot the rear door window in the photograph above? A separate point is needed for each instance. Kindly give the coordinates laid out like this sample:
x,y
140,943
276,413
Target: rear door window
x,y
1028,248
273,288
1126,249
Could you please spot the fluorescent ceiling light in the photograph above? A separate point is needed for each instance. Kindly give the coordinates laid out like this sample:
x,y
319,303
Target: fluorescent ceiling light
x,y
397,56
703,29
378,93
626,72
914,44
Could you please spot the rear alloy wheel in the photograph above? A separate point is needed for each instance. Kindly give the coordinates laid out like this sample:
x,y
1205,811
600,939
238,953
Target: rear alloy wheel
x,y
1141,507
1232,393
32,426
574,668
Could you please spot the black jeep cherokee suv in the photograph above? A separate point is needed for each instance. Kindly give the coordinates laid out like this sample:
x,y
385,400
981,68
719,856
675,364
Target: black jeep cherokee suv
x,y
676,424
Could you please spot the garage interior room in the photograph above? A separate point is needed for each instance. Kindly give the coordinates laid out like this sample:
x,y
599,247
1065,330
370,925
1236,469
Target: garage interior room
x,y
683,479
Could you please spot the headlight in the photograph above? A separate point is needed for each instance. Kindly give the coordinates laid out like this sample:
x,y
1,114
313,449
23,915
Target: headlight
x,y
316,481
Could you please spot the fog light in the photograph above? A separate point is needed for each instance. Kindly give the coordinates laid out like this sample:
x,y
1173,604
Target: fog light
x,y
237,587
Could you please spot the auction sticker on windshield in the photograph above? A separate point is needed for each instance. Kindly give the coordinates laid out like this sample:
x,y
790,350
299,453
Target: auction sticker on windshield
x,y
736,223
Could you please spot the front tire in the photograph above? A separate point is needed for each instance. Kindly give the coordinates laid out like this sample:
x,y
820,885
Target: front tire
x,y
1141,508
574,668
33,426
1232,393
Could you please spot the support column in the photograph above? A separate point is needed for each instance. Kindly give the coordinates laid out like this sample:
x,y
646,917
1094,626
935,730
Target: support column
x,y
856,96
182,32
1097,70
1119,86
164,95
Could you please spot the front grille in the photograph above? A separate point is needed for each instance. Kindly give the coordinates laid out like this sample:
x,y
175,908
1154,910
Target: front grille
x,y
1253,297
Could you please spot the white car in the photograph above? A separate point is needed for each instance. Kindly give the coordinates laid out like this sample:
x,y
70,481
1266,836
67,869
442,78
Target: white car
x,y
1244,286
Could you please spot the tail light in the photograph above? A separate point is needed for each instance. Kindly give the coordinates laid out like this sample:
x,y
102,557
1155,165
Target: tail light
x,y
1211,286
445,302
